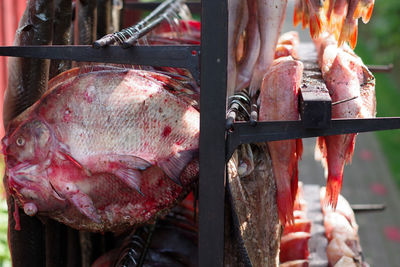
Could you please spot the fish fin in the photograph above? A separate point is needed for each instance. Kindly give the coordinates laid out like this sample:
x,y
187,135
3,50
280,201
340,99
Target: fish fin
x,y
299,148
174,165
127,167
297,15
294,182
64,153
333,188
306,18
315,26
350,149
349,33
364,10
367,15
130,177
359,11
80,200
284,200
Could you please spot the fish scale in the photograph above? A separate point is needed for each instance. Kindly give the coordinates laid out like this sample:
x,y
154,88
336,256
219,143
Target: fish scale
x,y
103,150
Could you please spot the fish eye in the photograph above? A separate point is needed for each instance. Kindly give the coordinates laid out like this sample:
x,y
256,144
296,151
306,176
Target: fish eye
x,y
20,141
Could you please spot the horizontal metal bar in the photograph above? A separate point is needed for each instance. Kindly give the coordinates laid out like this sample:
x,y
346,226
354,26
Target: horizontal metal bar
x,y
368,207
380,68
182,56
195,7
244,133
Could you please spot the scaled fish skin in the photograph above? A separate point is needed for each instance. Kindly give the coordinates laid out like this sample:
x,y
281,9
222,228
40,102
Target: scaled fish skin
x,y
346,77
279,101
103,150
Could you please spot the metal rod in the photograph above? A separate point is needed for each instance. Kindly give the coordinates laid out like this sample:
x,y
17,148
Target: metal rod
x,y
380,68
134,31
344,100
368,207
183,56
212,132
150,26
245,133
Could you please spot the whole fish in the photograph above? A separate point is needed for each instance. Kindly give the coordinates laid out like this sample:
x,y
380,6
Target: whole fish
x,y
271,14
237,21
251,50
279,101
103,150
346,78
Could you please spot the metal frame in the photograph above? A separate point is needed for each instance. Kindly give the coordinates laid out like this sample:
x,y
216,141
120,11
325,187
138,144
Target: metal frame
x,y
216,143
212,132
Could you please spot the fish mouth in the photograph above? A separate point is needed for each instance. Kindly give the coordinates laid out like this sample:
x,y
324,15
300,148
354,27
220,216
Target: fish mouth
x,y
56,195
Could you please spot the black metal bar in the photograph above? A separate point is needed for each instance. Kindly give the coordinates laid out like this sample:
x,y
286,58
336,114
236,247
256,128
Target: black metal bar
x,y
212,132
244,133
195,7
183,56
314,101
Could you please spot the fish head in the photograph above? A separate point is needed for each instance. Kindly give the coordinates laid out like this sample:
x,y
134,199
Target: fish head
x,y
31,186
28,156
31,142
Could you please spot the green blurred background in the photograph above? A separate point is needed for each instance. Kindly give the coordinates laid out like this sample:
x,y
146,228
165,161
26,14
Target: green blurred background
x,y
379,43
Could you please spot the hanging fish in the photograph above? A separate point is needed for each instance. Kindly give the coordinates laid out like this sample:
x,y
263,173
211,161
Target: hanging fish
x,y
279,101
103,149
271,14
346,78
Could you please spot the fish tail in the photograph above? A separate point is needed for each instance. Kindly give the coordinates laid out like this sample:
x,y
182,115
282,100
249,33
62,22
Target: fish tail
x,y
335,25
306,16
297,17
333,188
350,149
367,15
349,33
315,26
359,11
299,148
294,183
328,8
284,201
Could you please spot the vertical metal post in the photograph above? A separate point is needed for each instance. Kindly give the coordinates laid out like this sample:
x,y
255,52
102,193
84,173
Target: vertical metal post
x,y
214,20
